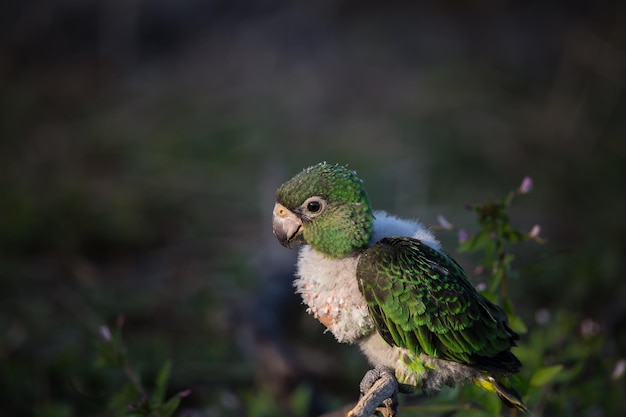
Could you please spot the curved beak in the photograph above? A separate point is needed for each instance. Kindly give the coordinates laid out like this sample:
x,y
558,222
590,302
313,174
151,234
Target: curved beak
x,y
286,225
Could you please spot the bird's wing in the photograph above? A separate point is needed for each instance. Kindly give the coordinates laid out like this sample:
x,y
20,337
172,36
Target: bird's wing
x,y
421,299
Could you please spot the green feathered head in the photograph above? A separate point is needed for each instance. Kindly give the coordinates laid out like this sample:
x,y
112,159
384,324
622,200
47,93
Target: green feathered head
x,y
326,207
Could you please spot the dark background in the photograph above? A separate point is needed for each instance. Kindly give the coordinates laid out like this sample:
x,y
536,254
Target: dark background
x,y
141,143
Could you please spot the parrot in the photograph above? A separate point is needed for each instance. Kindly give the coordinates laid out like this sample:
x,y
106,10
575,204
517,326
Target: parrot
x,y
386,284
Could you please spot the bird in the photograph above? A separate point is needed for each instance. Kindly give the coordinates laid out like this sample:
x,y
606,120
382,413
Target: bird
x,y
386,284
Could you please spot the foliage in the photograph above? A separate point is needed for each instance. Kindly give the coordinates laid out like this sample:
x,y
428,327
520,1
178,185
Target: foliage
x,y
132,399
557,358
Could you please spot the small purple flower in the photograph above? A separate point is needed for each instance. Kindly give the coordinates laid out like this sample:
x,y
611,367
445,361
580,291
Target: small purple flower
x,y
444,223
462,235
534,232
542,316
184,393
618,370
589,328
481,286
105,333
525,186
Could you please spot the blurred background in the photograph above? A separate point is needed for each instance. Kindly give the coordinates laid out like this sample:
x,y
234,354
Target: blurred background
x,y
141,143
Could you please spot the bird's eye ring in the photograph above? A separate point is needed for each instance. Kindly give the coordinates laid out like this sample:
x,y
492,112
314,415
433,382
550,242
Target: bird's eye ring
x,y
313,206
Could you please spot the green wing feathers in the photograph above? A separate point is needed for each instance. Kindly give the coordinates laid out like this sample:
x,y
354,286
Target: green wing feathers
x,y
422,300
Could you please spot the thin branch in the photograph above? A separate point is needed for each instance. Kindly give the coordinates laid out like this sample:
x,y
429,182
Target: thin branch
x,y
382,396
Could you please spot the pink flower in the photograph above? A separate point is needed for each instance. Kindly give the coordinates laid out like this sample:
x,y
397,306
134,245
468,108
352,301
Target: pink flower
x,y
542,316
184,393
534,232
105,333
589,328
525,186
618,371
462,235
444,223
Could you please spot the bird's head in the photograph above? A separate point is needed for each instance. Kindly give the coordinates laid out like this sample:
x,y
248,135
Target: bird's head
x,y
326,207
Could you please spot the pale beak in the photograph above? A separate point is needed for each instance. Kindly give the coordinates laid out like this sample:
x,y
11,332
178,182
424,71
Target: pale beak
x,y
286,225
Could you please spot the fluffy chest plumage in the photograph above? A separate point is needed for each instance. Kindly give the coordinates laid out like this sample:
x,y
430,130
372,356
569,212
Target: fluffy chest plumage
x,y
330,290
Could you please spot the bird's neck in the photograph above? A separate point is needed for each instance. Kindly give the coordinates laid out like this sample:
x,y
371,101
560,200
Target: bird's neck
x,y
339,239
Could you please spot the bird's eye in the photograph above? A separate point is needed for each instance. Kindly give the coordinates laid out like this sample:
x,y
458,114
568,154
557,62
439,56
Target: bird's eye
x,y
314,206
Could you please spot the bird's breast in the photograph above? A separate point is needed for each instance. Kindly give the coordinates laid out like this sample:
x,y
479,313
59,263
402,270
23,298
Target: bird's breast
x,y
330,290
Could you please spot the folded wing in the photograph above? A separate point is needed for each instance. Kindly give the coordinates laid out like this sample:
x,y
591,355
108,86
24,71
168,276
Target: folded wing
x,y
422,300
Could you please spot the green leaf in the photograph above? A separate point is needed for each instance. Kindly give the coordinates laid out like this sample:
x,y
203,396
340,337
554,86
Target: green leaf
x,y
495,280
508,199
492,403
517,324
161,382
167,409
476,242
301,400
544,375
120,401
514,236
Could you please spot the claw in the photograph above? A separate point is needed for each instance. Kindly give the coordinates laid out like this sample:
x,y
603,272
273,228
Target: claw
x,y
373,375
379,391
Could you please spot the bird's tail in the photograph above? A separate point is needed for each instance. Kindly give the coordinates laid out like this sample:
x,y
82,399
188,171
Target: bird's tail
x,y
508,395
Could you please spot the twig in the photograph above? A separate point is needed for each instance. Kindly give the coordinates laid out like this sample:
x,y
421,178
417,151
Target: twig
x,y
382,397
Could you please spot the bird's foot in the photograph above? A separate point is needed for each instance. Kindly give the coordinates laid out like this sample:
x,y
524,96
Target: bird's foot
x,y
373,375
379,393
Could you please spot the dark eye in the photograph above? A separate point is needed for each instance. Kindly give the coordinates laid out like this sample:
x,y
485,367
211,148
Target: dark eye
x,y
314,206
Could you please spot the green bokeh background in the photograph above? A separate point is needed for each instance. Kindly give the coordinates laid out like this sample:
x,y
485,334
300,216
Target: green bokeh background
x,y
141,143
